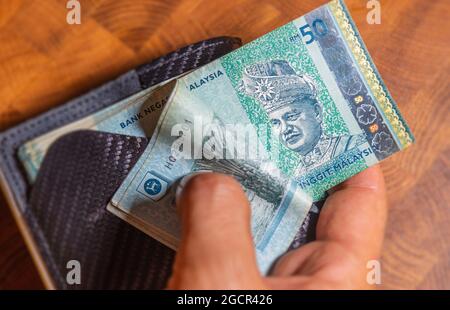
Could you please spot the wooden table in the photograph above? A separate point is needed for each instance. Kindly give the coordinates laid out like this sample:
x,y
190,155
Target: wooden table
x,y
44,62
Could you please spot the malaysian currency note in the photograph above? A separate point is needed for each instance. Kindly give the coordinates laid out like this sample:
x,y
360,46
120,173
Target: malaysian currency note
x,y
310,95
136,115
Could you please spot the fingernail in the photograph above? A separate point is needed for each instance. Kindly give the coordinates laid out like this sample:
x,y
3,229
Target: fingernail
x,y
183,182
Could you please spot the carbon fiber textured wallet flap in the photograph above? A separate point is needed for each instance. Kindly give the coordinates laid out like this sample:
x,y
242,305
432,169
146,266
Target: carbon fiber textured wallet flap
x,y
78,177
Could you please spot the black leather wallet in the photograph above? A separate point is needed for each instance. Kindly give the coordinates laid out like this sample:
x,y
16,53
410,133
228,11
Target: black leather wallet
x,y
55,234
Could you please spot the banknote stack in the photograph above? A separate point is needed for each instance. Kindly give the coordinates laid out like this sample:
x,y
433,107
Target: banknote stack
x,y
289,115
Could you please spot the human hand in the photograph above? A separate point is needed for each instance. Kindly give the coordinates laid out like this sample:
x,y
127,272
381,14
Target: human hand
x,y
217,250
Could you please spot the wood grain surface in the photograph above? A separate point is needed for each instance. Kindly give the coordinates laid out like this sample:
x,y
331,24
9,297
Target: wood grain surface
x,y
44,62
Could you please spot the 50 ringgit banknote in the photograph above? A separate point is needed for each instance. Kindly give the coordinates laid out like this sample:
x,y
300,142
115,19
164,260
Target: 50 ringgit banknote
x,y
289,115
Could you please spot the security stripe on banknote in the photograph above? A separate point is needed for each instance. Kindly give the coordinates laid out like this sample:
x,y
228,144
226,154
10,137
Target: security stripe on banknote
x,y
351,35
352,85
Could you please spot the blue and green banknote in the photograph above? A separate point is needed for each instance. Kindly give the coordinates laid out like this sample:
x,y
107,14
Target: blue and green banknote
x,y
289,115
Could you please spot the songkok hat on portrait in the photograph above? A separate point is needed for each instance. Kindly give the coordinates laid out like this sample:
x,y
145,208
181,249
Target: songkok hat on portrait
x,y
276,84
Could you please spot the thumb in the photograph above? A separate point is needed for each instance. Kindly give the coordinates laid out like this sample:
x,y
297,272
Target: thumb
x,y
216,250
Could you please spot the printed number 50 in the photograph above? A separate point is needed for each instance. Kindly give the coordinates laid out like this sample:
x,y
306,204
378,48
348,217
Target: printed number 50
x,y
319,29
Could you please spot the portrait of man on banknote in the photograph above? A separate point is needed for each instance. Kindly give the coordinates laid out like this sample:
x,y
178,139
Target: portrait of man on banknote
x,y
295,113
